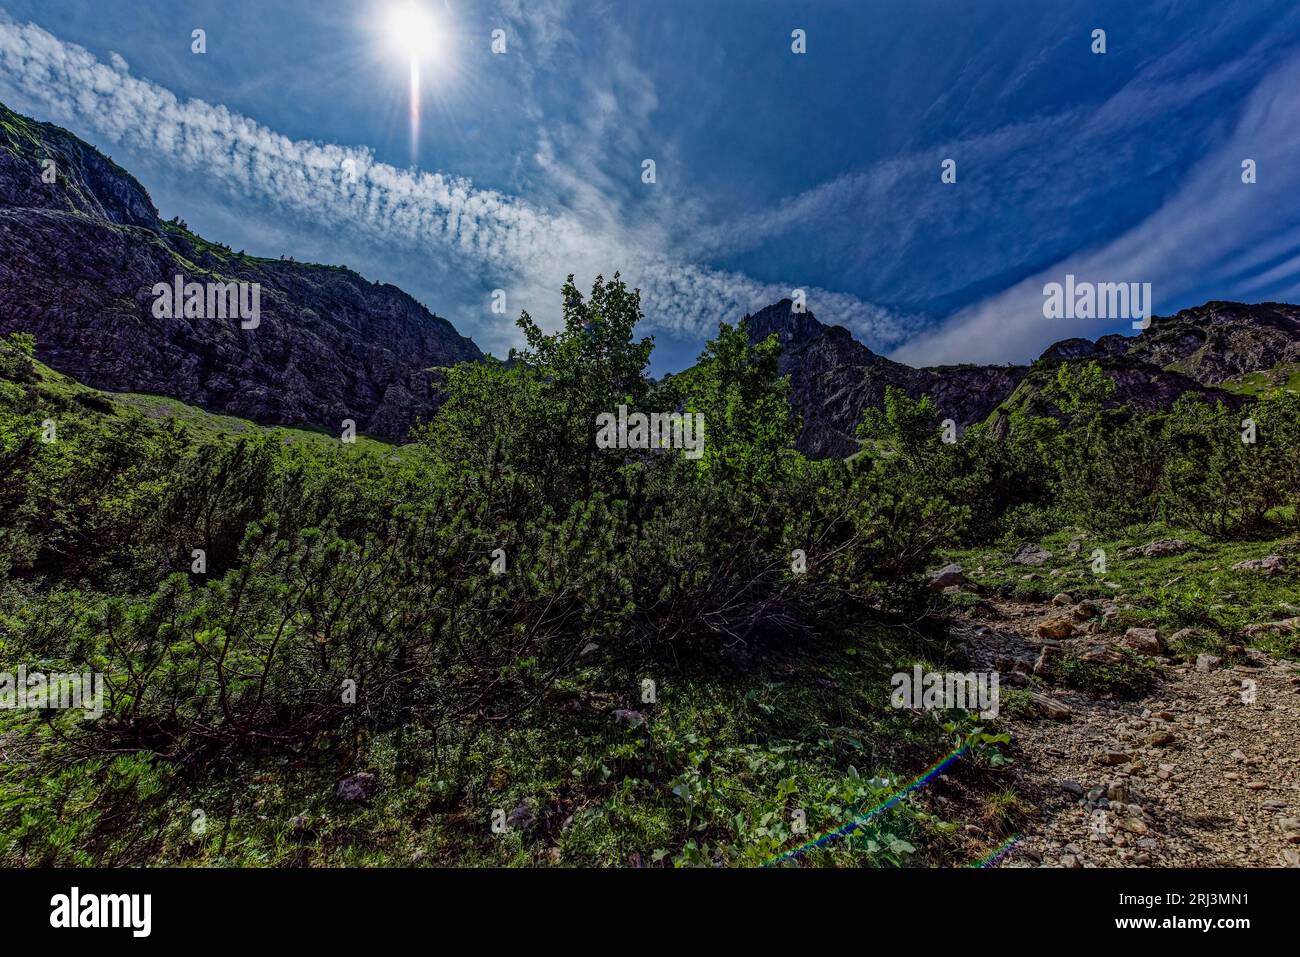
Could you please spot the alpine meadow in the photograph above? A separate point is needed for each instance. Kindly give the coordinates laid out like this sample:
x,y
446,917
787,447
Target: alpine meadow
x,y
978,546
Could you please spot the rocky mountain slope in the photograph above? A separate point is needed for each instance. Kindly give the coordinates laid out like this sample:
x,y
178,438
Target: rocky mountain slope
x,y
79,258
1209,349
834,378
1211,344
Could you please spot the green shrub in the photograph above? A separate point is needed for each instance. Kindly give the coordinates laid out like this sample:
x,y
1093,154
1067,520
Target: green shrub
x,y
1129,677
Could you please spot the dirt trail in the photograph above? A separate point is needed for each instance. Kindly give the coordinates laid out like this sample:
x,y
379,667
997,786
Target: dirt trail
x,y
1204,771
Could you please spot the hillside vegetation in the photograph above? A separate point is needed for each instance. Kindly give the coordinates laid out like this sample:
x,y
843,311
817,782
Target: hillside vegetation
x,y
505,645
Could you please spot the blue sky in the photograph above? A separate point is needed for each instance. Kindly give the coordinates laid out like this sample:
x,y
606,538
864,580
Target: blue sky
x,y
775,171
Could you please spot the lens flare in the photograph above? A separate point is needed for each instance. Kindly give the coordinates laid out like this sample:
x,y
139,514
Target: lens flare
x,y
415,35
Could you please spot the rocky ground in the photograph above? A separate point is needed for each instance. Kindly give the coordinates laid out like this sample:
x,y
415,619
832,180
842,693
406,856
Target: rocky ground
x,y
1203,771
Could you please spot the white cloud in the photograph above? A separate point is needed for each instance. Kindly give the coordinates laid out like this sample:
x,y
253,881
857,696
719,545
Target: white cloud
x,y
508,241
893,214
1199,238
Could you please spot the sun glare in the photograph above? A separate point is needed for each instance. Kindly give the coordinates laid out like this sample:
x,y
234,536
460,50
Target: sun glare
x,y
417,36
412,30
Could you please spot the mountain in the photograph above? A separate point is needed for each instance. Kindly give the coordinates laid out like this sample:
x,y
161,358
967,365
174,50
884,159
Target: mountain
x,y
834,378
79,260
1222,350
82,255
1226,351
1212,344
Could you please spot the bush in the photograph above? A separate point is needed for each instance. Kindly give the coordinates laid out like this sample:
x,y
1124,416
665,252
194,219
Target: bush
x,y
1129,677
460,582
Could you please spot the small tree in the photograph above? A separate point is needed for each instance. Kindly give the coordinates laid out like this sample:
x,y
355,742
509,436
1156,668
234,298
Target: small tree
x,y
17,352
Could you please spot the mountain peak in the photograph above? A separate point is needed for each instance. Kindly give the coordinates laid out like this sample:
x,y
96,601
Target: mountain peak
x,y
791,327
89,183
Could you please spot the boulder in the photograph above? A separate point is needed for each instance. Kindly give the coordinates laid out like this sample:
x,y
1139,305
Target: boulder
x,y
521,818
947,576
1085,610
1157,549
1031,554
1284,626
1051,708
1055,629
1100,652
1208,662
1043,666
628,717
1269,565
1112,758
356,787
1145,641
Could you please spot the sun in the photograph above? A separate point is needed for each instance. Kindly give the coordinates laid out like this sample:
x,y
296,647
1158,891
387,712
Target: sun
x,y
413,30
418,38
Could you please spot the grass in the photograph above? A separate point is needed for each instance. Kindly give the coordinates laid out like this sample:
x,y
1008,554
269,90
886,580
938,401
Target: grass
x,y
201,423
1195,589
1005,812
1284,377
19,131
213,424
736,763
221,254
1016,704
1129,677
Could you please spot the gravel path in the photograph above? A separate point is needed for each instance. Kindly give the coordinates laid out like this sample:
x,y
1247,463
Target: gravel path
x,y
1203,772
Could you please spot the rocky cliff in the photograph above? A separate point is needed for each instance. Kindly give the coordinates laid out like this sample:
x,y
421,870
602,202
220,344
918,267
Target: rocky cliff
x,y
1210,344
79,259
834,378
1208,349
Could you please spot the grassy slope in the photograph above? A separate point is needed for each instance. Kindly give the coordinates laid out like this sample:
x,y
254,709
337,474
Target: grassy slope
x,y
1284,377
202,424
1195,589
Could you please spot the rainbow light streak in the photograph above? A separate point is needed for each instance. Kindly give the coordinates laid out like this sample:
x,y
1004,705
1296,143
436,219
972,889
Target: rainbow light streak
x,y
845,830
995,855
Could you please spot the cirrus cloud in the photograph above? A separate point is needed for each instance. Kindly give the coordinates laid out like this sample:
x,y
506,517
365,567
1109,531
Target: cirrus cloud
x,y
505,239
